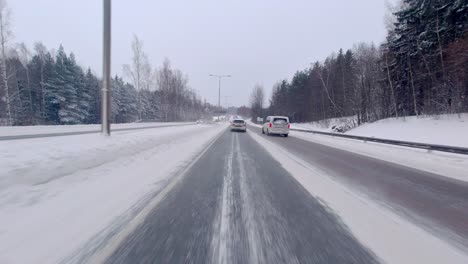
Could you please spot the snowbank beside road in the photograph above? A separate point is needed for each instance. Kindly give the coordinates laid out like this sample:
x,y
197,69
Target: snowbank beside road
x,y
328,125
449,130
441,129
33,130
96,187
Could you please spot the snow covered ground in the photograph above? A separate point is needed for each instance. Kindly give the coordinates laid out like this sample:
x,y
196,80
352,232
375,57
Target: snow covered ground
x,y
65,198
440,129
449,130
32,130
390,237
327,125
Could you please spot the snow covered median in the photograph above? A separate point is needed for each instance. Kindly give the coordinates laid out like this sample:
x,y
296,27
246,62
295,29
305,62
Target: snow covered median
x,y
62,197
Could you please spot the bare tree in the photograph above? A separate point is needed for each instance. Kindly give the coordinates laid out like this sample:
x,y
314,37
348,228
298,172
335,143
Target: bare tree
x,y
163,80
139,71
368,89
174,91
325,82
257,99
5,35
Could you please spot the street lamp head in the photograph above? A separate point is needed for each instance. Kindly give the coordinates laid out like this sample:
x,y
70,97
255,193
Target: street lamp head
x,y
220,76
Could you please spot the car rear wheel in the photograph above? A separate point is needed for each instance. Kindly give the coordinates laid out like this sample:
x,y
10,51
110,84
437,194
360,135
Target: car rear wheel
x,y
285,135
263,131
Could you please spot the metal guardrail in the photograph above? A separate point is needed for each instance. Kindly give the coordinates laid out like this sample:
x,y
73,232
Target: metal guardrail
x,y
429,147
95,131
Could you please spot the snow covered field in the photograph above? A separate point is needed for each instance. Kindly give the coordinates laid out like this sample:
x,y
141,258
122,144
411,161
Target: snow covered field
x,y
449,130
32,130
65,198
390,237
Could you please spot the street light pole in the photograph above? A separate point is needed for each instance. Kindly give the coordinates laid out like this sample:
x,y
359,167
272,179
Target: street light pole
x,y
219,95
219,89
106,71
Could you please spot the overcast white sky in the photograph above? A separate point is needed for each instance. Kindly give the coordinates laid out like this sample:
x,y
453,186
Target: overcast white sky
x,y
256,41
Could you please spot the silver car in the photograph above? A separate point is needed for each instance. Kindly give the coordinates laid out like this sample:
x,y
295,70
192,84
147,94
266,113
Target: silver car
x,y
278,125
238,125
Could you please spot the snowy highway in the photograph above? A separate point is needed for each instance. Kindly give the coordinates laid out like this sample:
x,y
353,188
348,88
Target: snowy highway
x,y
237,204
203,194
241,132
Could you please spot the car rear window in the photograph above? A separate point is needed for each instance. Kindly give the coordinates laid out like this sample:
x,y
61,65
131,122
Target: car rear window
x,y
277,120
239,121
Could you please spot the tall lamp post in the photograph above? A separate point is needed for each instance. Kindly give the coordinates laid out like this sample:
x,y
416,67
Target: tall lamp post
x,y
219,89
106,71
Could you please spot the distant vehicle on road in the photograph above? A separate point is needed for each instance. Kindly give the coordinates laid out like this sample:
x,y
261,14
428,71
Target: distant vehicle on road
x,y
277,125
238,125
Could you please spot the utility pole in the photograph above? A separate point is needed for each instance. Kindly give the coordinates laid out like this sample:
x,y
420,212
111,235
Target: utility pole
x,y
219,89
106,71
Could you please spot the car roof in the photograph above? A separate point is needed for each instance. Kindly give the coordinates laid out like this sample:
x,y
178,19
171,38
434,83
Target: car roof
x,y
238,119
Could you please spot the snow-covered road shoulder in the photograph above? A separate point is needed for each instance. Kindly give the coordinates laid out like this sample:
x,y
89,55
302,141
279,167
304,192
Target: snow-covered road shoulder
x,y
390,237
74,192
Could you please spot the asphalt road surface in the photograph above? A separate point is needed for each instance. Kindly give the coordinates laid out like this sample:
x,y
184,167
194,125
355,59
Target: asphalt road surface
x,y
438,204
238,205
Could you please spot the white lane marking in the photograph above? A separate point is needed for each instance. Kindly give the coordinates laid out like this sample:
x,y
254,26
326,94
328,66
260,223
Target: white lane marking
x,y
224,255
263,242
221,242
248,213
267,244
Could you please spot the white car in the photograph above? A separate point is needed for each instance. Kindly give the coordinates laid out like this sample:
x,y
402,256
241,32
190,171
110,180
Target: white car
x,y
278,125
238,125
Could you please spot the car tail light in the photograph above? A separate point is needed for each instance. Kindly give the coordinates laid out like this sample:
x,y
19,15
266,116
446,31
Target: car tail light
x,y
270,125
289,126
